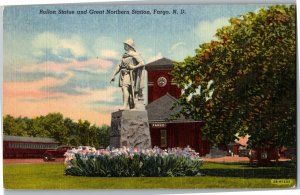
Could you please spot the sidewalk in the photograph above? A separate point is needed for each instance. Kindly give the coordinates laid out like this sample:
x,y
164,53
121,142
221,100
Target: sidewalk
x,y
227,159
32,161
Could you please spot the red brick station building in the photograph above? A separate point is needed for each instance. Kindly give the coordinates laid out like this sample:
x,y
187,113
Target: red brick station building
x,y
162,94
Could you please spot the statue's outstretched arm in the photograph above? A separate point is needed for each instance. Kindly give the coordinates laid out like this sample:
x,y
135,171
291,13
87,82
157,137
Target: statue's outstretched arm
x,y
116,71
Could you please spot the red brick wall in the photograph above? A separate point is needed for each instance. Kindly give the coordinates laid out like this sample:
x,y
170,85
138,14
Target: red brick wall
x,y
181,135
155,91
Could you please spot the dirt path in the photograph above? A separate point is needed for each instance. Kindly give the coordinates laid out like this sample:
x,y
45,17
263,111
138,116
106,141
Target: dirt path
x,y
227,159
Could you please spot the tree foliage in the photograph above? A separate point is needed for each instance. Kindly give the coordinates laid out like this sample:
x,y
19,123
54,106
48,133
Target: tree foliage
x,y
253,68
62,129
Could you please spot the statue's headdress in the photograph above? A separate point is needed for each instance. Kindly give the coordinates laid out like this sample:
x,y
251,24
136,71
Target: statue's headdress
x,y
130,42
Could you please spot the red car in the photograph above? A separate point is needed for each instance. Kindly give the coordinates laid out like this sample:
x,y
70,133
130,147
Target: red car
x,y
264,155
59,152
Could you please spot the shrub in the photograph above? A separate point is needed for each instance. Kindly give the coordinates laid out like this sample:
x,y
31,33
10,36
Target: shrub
x,y
128,162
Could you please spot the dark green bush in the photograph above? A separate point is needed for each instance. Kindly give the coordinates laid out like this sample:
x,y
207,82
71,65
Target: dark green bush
x,y
136,165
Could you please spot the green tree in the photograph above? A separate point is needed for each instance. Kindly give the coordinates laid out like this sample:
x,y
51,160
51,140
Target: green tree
x,y
14,126
93,141
73,138
103,136
38,129
251,70
54,125
83,132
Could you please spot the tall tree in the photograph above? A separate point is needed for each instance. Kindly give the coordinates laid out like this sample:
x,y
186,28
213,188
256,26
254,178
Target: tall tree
x,y
56,126
73,138
14,126
38,129
83,132
246,80
103,136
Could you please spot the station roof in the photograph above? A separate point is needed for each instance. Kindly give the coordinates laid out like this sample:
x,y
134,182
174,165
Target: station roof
x,y
160,110
160,64
28,139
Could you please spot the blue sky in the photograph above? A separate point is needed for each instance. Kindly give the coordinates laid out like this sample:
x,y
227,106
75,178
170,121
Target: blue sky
x,y
73,55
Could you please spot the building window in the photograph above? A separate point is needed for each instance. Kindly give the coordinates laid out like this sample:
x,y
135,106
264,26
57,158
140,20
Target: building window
x,y
163,138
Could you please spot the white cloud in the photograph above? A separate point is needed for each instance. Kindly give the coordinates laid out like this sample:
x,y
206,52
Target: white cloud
x,y
49,40
105,95
109,54
177,45
45,40
105,44
147,53
75,44
92,65
206,30
153,58
179,51
148,49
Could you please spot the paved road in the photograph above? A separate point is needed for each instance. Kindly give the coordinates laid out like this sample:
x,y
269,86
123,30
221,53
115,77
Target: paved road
x,y
32,161
227,159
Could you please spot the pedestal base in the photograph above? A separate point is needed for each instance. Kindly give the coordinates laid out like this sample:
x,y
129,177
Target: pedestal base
x,y
130,128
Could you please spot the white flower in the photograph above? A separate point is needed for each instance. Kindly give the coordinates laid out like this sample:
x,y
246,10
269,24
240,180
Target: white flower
x,y
87,151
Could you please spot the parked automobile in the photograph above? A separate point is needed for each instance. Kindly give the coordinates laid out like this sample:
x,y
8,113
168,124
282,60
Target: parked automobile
x,y
264,155
59,152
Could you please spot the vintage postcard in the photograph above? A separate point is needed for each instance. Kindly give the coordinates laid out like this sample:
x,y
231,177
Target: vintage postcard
x,y
116,96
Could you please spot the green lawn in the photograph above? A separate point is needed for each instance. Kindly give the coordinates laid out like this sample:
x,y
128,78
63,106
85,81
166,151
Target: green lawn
x,y
51,176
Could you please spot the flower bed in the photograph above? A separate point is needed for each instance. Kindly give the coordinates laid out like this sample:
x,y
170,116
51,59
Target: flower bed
x,y
127,162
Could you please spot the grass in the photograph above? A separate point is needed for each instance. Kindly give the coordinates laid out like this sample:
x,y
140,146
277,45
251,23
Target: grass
x,y
216,175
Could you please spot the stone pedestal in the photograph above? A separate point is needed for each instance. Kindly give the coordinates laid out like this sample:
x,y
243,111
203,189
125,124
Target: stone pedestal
x,y
130,128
